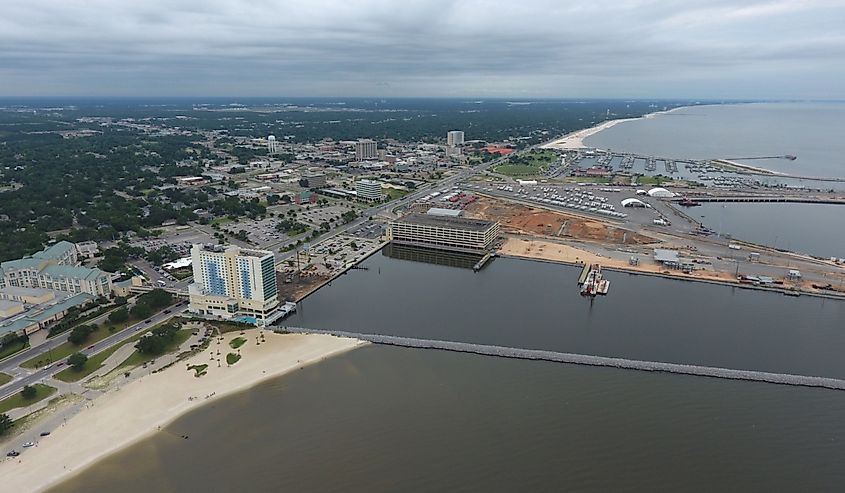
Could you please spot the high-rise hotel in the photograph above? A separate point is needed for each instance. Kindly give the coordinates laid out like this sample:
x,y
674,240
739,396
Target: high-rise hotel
x,y
234,283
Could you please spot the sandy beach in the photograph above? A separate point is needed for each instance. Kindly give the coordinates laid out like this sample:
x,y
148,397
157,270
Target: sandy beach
x,y
575,140
138,409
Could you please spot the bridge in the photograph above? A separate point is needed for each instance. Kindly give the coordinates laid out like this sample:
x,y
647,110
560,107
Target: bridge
x,y
582,359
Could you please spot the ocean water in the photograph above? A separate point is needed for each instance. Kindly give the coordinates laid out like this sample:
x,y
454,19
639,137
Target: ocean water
x,y
381,419
536,305
810,131
813,229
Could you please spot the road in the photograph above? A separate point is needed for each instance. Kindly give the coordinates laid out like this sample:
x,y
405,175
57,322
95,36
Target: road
x,y
381,208
29,377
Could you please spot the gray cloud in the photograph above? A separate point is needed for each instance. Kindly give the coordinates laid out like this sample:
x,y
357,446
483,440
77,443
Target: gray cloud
x,y
602,48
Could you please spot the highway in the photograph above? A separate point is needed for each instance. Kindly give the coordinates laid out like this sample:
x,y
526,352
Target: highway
x,y
29,377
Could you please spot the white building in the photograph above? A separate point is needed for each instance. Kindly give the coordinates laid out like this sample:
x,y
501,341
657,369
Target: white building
x,y
272,145
455,138
369,190
58,268
234,283
443,232
366,149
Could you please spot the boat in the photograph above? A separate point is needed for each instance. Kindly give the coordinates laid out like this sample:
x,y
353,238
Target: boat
x,y
688,203
593,284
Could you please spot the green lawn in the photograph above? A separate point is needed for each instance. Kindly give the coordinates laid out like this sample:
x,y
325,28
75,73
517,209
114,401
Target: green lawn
x,y
394,193
41,392
137,359
237,342
222,220
66,349
71,374
518,170
652,180
11,349
96,361
530,164
4,379
199,370
232,358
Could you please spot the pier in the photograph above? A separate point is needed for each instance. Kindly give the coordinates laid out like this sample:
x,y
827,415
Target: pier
x,y
583,359
769,198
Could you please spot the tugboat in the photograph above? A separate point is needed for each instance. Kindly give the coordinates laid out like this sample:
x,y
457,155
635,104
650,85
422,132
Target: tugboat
x,y
688,202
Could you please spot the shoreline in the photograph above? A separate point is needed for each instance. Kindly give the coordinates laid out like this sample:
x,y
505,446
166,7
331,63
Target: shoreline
x,y
511,250
143,407
575,140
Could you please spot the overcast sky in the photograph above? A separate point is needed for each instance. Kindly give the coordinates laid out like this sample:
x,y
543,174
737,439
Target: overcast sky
x,y
508,48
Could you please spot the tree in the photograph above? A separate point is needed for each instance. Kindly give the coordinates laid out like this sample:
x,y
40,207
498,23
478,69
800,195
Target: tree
x,y
80,334
141,310
119,316
5,423
28,392
156,342
77,361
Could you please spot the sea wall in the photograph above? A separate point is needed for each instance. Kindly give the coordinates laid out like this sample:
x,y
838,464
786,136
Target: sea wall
x,y
583,359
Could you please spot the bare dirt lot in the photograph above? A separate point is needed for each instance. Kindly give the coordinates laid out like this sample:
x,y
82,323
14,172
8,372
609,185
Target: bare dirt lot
x,y
521,219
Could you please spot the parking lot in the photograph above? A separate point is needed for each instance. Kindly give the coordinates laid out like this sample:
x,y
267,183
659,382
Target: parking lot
x,y
598,201
180,240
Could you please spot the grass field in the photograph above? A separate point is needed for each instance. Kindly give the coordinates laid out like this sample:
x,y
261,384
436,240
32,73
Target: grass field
x,y
13,348
232,358
66,349
237,342
41,392
532,164
93,364
393,193
137,358
4,379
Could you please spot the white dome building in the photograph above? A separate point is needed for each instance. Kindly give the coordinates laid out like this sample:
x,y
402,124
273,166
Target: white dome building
x,y
634,203
660,193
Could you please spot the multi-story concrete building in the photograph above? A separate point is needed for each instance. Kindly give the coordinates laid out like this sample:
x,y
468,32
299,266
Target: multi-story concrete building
x,y
234,283
365,149
444,232
455,138
58,268
316,180
369,190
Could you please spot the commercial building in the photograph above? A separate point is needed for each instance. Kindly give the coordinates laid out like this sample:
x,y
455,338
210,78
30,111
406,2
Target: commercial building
x,y
444,232
316,180
234,283
369,190
454,138
58,268
365,149
26,310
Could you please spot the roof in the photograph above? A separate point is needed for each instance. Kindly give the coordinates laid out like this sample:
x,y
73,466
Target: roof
x,y
6,304
55,252
438,211
23,263
632,201
72,272
447,222
21,291
661,255
42,313
660,192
